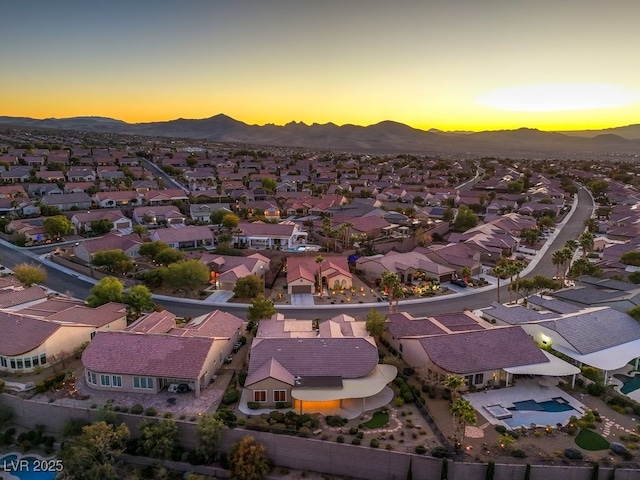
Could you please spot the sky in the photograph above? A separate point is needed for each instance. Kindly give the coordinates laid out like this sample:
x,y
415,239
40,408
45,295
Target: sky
x,y
447,64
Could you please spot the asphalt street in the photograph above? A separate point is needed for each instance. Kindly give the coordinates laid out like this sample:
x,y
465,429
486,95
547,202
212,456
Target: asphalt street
x,y
66,281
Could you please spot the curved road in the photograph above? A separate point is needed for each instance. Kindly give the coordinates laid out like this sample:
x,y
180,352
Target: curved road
x,y
67,281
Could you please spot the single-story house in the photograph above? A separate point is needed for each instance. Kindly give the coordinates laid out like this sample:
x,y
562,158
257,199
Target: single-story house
x,y
259,235
185,237
302,274
158,214
129,244
68,201
83,220
227,269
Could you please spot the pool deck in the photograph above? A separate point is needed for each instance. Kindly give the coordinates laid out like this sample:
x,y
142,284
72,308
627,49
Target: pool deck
x,y
530,389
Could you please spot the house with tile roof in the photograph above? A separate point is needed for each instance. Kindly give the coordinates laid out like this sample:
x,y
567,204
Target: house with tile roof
x,y
318,375
409,266
48,331
229,269
184,237
576,334
129,244
460,343
302,273
82,220
152,215
258,235
165,352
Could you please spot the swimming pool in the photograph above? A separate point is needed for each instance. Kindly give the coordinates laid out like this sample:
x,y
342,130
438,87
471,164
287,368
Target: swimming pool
x,y
549,412
629,384
30,467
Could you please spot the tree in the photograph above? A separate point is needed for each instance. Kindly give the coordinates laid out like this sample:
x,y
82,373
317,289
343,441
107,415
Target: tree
x,y
453,383
465,273
100,227
463,413
209,431
248,287
261,307
499,271
187,275
598,187
465,219
269,185
319,261
248,460
217,216
158,439
586,241
635,313
230,221
631,258
94,453
139,299
375,323
140,230
108,289
151,249
113,261
545,221
30,274
57,226
390,282
168,256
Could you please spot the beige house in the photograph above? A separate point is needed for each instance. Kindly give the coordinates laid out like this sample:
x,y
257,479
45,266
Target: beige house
x,y
37,336
164,353
302,274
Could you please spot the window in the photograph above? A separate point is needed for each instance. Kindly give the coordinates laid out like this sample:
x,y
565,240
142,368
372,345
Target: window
x,y
279,395
27,363
479,378
104,380
468,380
13,363
43,359
260,396
20,364
116,381
93,334
91,378
143,382
3,362
35,360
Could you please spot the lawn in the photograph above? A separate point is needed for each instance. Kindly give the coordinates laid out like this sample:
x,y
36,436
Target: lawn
x,y
378,420
592,441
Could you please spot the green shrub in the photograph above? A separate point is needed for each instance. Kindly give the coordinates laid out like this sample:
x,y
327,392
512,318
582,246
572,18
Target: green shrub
x,y
421,449
336,420
340,439
151,412
519,454
439,452
137,409
595,389
573,454
501,429
252,405
230,396
355,441
242,376
353,431
374,443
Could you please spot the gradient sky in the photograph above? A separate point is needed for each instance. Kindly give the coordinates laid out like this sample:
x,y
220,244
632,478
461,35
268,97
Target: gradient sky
x,y
448,64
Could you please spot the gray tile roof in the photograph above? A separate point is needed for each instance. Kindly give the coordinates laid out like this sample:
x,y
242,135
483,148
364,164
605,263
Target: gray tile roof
x,y
401,325
517,315
594,331
591,295
470,352
552,304
458,321
316,357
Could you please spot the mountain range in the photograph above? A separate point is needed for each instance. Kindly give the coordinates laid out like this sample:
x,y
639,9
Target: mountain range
x,y
383,137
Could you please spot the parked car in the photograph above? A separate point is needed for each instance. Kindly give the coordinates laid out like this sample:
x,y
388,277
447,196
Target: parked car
x,y
178,388
237,347
459,282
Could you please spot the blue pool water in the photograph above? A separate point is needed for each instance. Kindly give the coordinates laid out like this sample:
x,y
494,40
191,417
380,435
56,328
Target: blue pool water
x,y
629,384
12,467
550,412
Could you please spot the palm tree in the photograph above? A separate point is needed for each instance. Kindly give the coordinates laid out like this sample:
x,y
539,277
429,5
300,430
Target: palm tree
x,y
571,245
453,383
391,282
319,260
586,241
499,271
346,232
557,258
464,413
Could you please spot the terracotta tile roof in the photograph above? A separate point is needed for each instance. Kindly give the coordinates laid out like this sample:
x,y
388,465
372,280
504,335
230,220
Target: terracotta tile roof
x,y
97,317
22,334
216,324
460,321
401,325
484,350
270,369
258,229
129,353
316,357
111,241
11,298
49,307
155,322
184,234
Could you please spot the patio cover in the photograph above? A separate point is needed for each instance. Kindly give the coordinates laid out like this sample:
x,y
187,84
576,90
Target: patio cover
x,y
607,359
351,388
555,367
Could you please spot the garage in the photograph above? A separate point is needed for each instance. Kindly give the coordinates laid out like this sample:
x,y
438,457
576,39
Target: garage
x,y
301,289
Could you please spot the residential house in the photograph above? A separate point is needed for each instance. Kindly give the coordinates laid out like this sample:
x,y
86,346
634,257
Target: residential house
x,y
83,220
129,244
302,273
165,197
165,354
152,215
201,212
258,235
227,270
47,332
185,237
117,199
414,266
68,201
461,343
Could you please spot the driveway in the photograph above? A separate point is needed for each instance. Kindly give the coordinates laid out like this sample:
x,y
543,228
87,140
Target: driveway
x,y
219,296
302,299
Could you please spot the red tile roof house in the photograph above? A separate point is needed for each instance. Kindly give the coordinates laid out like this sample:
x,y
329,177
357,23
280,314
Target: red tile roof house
x,y
164,353
158,214
462,344
31,228
82,220
405,265
165,197
186,237
258,235
302,273
317,375
129,244
231,268
119,199
35,337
